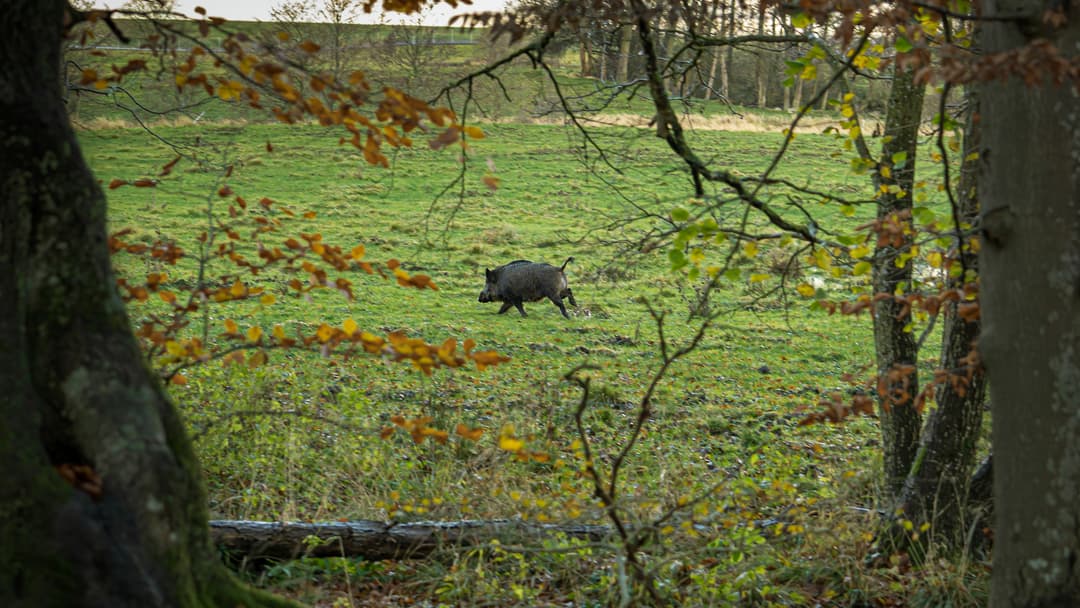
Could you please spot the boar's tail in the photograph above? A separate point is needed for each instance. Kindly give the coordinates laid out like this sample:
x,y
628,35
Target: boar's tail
x,y
568,260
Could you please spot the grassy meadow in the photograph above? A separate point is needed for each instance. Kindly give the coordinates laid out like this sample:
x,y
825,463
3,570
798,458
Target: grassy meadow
x,y
775,513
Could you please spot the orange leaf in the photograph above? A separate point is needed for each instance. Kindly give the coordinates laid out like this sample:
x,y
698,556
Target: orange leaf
x,y
116,183
168,167
467,433
309,47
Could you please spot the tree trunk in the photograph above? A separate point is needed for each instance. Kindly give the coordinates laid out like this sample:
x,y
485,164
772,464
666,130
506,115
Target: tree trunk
x,y
1030,268
727,63
103,503
711,78
797,101
584,53
894,342
625,42
760,73
375,540
936,490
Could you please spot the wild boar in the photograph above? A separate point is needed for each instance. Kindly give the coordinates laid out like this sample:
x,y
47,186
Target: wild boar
x,y
524,281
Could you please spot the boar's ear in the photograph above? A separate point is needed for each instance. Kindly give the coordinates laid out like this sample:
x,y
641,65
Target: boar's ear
x,y
488,274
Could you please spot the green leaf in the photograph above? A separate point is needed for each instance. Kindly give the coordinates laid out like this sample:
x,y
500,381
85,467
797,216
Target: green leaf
x,y
903,45
679,214
677,258
861,268
801,20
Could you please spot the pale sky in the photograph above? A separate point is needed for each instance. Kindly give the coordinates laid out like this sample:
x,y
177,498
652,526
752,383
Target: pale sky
x,y
259,10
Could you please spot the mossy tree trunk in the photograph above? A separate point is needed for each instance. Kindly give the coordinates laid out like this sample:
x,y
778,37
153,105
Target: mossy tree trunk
x,y
1030,268
894,343
936,491
128,525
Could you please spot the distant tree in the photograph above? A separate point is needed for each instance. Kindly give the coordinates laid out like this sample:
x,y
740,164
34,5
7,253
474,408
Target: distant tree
x,y
327,24
405,54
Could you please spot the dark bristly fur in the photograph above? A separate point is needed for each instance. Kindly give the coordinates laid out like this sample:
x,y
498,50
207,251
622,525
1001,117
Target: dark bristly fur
x,y
524,281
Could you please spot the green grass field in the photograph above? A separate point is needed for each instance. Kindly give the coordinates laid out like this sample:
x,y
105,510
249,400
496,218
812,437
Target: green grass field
x,y
299,437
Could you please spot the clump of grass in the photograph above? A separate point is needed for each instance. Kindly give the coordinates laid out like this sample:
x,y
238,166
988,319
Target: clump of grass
x,y
504,234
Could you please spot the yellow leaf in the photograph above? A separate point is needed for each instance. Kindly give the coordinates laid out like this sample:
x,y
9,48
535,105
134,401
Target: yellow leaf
x,y
758,277
350,326
357,252
861,268
510,444
806,290
230,327
474,132
860,252
750,249
279,332
267,299
254,334
324,333
237,290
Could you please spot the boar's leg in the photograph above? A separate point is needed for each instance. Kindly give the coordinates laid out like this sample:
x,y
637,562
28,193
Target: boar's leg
x,y
520,308
562,307
570,296
508,303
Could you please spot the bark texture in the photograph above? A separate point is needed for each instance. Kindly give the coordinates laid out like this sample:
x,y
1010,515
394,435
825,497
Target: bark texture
x,y
103,504
1030,264
895,348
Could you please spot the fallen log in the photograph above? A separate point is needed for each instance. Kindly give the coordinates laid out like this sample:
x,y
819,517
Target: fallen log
x,y
374,540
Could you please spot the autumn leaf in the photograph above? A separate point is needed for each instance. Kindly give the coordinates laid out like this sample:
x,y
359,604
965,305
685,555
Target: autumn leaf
x,y
324,333
467,433
510,444
168,167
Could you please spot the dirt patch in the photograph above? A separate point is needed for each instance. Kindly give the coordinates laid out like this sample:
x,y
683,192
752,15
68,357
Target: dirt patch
x,y
730,122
